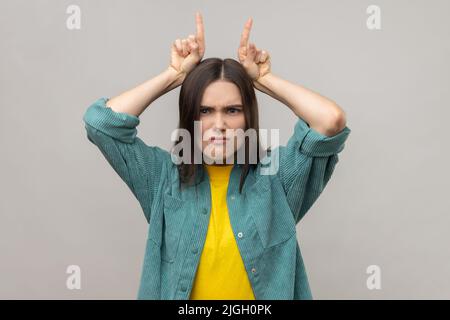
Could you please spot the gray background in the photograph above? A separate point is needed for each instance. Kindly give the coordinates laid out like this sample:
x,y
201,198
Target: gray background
x,y
387,203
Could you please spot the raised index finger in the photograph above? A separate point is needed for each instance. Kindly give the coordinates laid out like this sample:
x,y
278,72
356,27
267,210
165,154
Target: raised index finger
x,y
200,31
246,33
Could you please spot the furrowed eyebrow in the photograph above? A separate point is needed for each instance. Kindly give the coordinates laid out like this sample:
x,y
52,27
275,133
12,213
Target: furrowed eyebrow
x,y
230,106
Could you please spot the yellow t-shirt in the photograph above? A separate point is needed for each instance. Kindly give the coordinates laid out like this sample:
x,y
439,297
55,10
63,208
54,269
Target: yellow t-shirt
x,y
221,273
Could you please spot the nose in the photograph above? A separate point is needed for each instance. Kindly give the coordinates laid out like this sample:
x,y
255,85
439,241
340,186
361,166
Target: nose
x,y
219,123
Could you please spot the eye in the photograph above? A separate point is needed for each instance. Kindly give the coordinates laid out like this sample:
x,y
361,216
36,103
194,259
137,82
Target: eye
x,y
204,110
235,110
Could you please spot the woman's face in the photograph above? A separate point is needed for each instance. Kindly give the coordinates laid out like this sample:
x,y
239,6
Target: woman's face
x,y
221,109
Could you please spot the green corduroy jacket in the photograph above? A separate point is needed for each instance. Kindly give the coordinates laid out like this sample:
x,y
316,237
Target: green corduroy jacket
x,y
263,217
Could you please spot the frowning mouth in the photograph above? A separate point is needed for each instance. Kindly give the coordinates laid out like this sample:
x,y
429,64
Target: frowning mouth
x,y
218,140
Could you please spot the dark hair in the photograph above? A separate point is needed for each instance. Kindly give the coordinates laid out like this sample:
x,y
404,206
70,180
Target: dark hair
x,y
191,94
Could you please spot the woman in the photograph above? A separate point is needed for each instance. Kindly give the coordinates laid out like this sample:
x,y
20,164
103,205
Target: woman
x,y
220,228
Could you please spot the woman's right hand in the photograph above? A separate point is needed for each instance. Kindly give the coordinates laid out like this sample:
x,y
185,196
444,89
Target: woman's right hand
x,y
187,53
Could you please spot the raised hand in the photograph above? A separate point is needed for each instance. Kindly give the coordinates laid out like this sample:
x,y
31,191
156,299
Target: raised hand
x,y
255,61
187,53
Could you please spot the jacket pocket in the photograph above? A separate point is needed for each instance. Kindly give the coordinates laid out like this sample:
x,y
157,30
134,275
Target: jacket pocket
x,y
173,220
270,211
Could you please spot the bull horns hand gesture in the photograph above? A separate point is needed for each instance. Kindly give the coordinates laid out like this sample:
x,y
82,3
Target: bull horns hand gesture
x,y
255,61
187,53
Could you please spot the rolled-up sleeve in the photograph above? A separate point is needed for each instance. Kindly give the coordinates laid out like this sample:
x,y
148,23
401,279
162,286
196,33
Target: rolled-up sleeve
x,y
306,164
140,166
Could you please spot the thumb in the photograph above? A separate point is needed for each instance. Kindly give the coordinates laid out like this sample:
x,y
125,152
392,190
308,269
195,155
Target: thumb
x,y
194,47
251,53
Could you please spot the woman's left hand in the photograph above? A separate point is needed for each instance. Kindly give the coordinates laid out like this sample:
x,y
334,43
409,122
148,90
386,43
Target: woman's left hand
x,y
255,61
